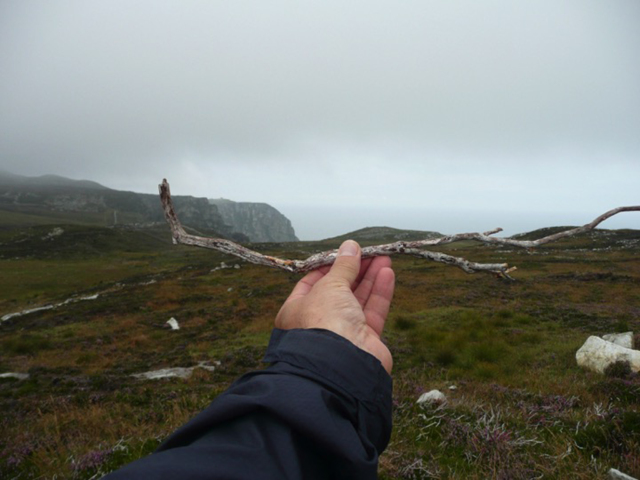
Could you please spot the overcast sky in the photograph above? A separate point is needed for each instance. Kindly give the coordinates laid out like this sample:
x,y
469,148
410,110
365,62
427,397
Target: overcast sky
x,y
435,115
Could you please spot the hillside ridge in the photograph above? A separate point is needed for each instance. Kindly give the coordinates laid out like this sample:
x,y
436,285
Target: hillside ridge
x,y
35,200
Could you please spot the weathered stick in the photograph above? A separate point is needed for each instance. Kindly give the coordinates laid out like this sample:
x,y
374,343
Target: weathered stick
x,y
407,248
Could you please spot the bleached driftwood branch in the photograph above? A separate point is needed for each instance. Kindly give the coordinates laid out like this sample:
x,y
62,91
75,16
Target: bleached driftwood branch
x,y
407,248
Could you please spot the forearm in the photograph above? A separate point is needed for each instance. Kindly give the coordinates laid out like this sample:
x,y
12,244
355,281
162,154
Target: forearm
x,y
321,410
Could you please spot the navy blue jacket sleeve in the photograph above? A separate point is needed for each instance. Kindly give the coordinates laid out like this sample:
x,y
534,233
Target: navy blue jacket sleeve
x,y
321,410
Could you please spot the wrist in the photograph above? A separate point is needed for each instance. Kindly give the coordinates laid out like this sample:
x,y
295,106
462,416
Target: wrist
x,y
364,338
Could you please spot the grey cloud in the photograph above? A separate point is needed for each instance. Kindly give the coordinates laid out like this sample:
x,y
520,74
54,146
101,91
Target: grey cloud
x,y
196,88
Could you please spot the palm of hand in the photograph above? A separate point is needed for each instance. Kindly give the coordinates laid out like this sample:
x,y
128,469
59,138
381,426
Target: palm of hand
x,y
351,299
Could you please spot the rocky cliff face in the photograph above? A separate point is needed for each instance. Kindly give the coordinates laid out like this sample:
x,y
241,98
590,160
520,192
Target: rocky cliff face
x,y
47,195
260,222
193,212
239,221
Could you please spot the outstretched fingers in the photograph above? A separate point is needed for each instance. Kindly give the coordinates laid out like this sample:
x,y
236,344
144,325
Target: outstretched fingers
x,y
306,283
365,286
378,302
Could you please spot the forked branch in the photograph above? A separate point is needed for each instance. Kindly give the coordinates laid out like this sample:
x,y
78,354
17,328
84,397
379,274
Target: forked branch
x,y
414,248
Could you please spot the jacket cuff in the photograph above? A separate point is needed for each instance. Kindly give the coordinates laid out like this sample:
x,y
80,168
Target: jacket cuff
x,y
335,359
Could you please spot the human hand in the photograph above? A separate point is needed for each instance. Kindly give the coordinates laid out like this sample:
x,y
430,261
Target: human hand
x,y
350,298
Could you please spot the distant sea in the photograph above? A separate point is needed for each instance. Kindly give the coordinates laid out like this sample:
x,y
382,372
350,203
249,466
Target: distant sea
x,y
317,223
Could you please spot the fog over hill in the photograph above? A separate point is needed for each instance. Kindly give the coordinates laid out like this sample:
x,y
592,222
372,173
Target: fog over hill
x,y
11,179
53,198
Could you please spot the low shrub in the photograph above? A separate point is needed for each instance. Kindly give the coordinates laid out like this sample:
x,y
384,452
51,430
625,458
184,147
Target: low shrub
x,y
619,369
26,344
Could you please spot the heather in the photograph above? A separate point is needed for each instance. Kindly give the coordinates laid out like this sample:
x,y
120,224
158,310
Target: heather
x,y
502,352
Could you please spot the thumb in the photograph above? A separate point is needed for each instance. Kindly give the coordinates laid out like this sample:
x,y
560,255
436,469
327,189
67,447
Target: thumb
x,y
347,263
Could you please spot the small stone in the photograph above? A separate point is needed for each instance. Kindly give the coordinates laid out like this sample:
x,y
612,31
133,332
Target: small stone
x,y
452,387
56,232
230,289
18,376
173,323
176,372
434,396
210,368
618,475
236,266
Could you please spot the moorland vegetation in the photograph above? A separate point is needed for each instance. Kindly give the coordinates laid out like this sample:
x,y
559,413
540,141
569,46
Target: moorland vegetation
x,y
503,352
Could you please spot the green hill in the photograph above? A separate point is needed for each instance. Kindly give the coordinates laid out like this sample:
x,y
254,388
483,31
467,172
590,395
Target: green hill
x,y
373,235
597,238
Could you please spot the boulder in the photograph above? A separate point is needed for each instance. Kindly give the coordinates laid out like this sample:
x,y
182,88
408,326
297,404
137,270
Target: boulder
x,y
597,354
434,396
623,339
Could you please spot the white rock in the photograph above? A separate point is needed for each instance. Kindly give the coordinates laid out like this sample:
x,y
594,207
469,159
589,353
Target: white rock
x,y
26,312
56,232
623,339
90,297
222,267
173,323
210,368
236,266
48,307
618,475
19,376
179,372
230,289
597,354
434,396
176,372
452,387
